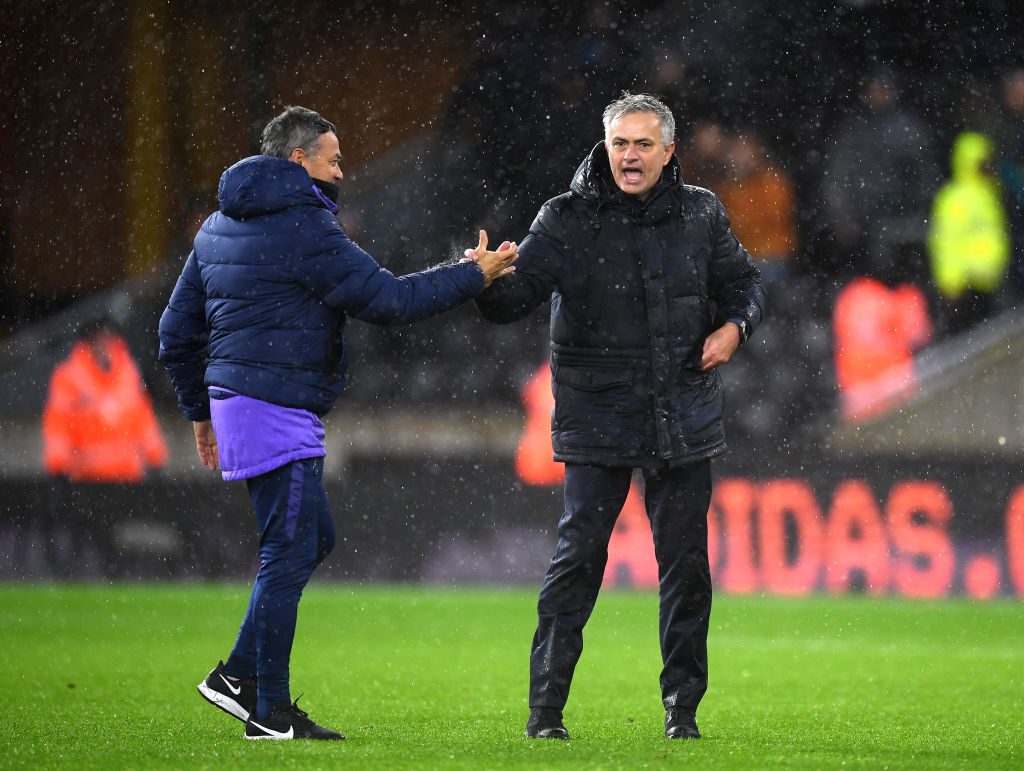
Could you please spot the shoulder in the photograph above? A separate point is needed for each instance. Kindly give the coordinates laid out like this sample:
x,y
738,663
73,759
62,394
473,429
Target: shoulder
x,y
559,205
64,371
701,202
701,195
566,208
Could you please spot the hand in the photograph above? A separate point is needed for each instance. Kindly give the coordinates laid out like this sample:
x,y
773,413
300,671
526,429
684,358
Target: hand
x,y
720,346
493,264
206,444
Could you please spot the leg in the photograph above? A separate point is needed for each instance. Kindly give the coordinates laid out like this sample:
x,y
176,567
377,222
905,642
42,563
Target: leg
x,y
296,535
594,497
677,505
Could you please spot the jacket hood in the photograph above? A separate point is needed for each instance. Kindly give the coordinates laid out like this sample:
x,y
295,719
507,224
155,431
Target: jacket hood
x,y
593,179
971,150
261,185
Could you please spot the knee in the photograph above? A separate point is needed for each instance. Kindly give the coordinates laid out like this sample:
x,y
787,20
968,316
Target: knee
x,y
584,553
285,576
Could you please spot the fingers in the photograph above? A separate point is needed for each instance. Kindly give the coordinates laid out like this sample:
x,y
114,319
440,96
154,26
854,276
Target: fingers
x,y
508,250
493,264
718,350
481,249
508,254
709,356
207,454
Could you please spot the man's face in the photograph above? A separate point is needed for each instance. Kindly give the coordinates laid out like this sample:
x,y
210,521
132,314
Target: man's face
x,y
324,163
636,152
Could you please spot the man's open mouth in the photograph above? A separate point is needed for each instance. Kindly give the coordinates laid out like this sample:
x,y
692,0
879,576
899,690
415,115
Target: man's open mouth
x,y
632,175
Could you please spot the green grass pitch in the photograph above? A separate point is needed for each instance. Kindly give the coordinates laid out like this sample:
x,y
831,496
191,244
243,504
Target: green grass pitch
x,y
104,677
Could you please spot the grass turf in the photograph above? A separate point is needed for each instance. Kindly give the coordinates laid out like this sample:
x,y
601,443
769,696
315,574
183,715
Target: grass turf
x,y
104,677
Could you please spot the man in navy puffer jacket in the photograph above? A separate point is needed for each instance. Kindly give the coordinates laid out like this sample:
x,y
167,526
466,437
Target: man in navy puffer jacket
x,y
252,340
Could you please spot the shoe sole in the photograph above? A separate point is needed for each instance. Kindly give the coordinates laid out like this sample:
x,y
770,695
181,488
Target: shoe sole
x,y
225,703
271,738
295,738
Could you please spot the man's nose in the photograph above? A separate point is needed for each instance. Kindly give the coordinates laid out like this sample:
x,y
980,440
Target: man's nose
x,y
631,154
338,175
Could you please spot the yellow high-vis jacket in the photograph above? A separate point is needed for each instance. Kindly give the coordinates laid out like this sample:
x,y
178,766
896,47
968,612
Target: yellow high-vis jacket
x,y
968,237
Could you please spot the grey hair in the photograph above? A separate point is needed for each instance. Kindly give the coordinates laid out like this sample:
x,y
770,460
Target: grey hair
x,y
629,103
295,127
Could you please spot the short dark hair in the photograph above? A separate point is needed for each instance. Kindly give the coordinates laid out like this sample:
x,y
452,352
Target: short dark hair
x,y
295,127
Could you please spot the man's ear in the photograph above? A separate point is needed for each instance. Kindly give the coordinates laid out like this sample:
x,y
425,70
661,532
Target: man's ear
x,y
298,156
670,151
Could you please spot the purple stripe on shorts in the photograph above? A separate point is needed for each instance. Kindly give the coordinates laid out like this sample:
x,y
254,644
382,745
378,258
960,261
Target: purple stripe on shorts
x,y
291,517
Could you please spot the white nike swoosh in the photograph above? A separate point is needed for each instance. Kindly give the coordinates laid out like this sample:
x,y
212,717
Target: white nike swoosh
x,y
275,734
231,688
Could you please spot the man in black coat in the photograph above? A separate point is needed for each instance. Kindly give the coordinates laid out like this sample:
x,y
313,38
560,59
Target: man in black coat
x,y
650,293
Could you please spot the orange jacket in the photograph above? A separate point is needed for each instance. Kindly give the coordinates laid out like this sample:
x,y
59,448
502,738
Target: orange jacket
x,y
534,463
876,331
763,211
98,425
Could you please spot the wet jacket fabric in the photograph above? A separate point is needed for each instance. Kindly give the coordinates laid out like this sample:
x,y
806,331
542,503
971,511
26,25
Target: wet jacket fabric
x,y
635,289
261,305
969,239
98,423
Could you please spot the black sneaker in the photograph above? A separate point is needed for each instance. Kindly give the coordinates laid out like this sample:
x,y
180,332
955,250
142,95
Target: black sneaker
x,y
287,721
681,724
236,697
545,723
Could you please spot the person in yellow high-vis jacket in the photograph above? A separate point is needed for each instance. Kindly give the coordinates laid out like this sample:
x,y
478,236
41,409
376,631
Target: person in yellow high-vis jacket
x,y
968,237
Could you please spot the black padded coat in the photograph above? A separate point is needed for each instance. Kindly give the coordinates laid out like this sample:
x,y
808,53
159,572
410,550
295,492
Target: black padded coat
x,y
635,289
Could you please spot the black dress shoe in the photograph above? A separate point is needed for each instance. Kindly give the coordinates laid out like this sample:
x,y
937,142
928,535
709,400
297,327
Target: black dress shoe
x,y
545,723
681,724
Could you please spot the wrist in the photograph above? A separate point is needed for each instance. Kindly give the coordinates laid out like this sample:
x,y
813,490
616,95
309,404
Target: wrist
x,y
743,326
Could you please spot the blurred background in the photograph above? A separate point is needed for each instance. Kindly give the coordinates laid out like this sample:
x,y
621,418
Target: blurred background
x,y
871,157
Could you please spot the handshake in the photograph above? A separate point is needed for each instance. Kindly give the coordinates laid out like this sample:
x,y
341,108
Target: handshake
x,y
493,264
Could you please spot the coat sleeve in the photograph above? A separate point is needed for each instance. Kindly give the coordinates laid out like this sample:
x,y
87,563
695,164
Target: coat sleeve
x,y
536,276
734,282
183,340
345,277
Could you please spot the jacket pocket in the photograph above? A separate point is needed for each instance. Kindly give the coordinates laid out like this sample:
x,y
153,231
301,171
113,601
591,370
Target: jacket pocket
x,y
593,380
698,407
597,409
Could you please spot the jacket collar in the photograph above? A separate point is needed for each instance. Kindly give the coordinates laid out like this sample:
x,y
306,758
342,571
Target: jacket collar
x,y
261,185
593,181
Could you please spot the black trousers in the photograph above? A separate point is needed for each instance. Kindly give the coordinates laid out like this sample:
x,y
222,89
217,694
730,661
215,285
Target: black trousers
x,y
677,505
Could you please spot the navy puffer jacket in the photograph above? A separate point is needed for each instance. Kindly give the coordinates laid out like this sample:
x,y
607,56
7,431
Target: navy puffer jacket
x,y
635,289
261,304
